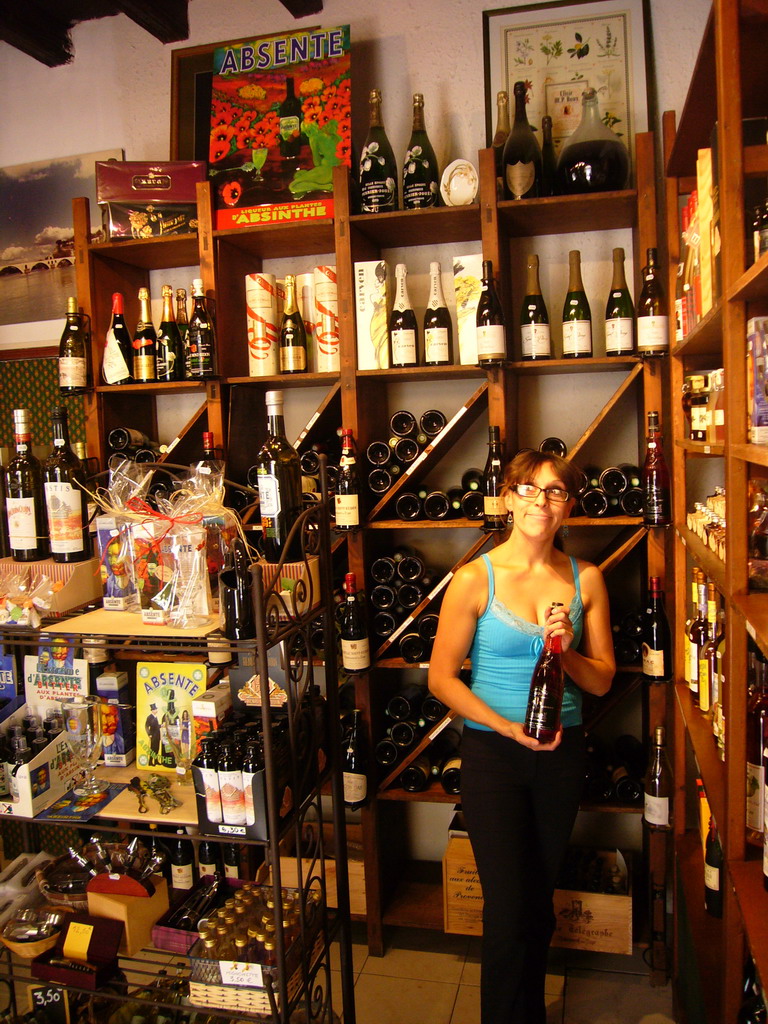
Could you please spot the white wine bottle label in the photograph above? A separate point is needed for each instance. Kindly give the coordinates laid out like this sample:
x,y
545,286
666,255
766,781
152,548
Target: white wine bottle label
x,y
652,333
653,662
73,372
577,337
347,510
493,505
436,345
403,347
182,876
491,342
656,810
212,794
65,517
755,796
536,340
520,177
113,366
231,871
355,654
232,797
204,868
693,667
711,877
618,336
22,524
355,787
293,358
679,320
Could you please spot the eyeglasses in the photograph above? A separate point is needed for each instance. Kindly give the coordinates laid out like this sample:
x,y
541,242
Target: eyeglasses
x,y
530,492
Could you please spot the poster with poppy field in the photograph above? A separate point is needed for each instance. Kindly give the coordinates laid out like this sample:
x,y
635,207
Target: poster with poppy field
x,y
280,123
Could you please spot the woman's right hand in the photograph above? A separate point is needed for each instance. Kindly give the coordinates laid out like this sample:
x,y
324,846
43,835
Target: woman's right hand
x,y
514,731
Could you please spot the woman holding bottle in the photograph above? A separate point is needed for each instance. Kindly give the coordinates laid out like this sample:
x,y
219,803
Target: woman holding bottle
x,y
520,797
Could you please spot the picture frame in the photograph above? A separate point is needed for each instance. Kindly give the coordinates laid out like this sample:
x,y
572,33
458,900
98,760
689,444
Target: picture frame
x,y
561,48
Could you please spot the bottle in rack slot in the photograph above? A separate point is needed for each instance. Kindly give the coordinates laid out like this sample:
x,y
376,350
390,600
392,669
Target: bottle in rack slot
x,y
403,332
489,322
117,361
200,347
534,318
278,472
542,716
577,316
73,351
619,312
355,763
499,138
494,508
657,508
355,648
652,319
144,343
438,328
65,497
658,785
347,496
708,652
432,422
522,154
24,503
417,775
421,178
293,335
378,169
170,348
657,638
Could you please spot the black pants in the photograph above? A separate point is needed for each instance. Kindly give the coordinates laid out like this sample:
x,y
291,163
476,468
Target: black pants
x,y
519,807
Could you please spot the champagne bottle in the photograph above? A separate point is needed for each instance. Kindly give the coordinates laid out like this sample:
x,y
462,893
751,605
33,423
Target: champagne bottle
x,y
200,350
278,473
534,319
489,321
347,496
657,638
403,338
658,786
421,177
657,506
182,320
577,317
355,649
522,154
548,158
652,319
542,716
144,343
65,498
713,872
117,361
438,328
293,335
170,348
73,351
378,170
619,312
355,767
27,532
494,509
290,116
432,422
499,138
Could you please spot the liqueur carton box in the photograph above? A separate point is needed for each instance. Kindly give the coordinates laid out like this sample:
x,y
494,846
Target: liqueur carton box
x,y
165,692
467,285
757,365
141,200
280,123
118,721
373,303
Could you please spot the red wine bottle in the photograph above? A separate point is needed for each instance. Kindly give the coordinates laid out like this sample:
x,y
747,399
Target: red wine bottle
x,y
347,497
489,322
278,472
25,508
657,639
655,481
542,716
713,872
117,360
355,766
355,650
494,509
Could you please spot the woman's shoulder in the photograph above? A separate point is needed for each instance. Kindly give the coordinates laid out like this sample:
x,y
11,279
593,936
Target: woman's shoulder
x,y
471,573
591,579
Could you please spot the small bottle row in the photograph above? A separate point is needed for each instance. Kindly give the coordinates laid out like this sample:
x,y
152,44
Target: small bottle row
x,y
707,519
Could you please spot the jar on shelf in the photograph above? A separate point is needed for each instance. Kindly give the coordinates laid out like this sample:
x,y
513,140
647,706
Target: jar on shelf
x,y
593,159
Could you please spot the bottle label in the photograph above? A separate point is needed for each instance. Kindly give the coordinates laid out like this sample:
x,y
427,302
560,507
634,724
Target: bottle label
x,y
64,504
755,796
417,194
250,810
347,510
693,667
656,810
493,505
536,340
491,342
144,367
289,127
212,794
652,333
699,422
114,366
355,654
403,347
231,871
204,868
377,195
703,684
653,662
436,345
73,372
577,337
293,358
232,797
520,177
355,787
618,336
711,877
22,524
269,496
182,876
679,335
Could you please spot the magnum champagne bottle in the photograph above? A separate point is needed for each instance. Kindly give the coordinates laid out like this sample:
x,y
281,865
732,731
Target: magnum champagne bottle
x,y
144,343
542,716
278,473
403,333
522,154
438,328
293,335
65,498
499,138
577,316
652,319
421,178
534,319
117,361
170,348
656,482
489,321
378,169
200,351
619,312
494,509
27,531
73,351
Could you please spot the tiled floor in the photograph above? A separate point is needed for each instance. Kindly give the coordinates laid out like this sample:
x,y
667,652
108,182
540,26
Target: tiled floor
x,y
430,978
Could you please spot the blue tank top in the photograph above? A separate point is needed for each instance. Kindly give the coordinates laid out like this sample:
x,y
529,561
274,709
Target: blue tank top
x,y
504,653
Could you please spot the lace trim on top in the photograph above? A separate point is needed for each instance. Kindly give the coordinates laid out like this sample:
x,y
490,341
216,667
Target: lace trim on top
x,y
523,625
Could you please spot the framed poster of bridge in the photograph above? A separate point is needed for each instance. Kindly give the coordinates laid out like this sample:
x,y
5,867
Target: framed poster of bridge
x,y
37,270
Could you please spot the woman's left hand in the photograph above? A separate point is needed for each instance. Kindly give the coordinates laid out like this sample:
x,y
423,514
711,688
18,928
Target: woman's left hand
x,y
559,624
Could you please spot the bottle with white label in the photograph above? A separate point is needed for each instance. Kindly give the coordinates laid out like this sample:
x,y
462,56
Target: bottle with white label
x,y
577,316
355,774
355,648
490,330
534,318
347,496
619,312
73,351
403,333
652,319
438,329
182,864
658,786
252,765
65,496
231,786
207,763
27,532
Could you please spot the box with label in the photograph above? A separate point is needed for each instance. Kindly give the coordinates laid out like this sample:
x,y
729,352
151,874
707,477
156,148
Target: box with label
x,y
114,546
164,726
373,304
757,364
118,718
467,286
42,780
210,710
137,914
91,941
141,200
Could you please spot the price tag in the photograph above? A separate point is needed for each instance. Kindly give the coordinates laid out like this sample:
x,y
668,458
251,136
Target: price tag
x,y
53,1000
77,940
233,972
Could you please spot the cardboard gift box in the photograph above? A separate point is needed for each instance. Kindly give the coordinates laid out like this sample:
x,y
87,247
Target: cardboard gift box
x,y
41,781
141,200
210,710
118,719
85,954
137,914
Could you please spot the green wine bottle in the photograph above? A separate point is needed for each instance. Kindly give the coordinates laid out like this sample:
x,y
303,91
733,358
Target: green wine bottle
x,y
534,319
421,178
577,316
170,348
522,154
619,312
378,170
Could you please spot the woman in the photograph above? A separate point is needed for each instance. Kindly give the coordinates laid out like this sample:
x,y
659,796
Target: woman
x,y
520,797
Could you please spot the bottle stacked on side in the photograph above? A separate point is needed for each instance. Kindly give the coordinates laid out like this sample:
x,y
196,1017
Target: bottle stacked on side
x,y
615,770
399,584
389,457
613,491
409,713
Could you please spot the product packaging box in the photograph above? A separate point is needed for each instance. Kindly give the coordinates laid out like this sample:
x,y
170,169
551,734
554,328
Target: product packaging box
x,y
40,782
757,363
467,280
164,726
295,599
77,583
118,719
373,304
704,185
91,940
141,200
113,544
210,710
136,914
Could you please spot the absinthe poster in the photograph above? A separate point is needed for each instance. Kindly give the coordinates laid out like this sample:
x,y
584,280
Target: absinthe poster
x,y
164,721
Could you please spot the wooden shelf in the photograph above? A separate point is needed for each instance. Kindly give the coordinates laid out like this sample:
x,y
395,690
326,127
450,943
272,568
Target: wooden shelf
x,y
707,931
700,449
157,387
557,215
753,283
424,373
426,524
754,608
705,750
434,795
551,367
706,559
706,338
754,453
160,253
296,380
433,226
417,900
747,878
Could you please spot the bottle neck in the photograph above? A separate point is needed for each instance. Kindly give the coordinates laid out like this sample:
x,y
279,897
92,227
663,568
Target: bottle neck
x,y
168,316
436,297
532,285
145,317
590,112
554,644
502,115
374,114
575,284
289,306
418,117
401,297
60,433
275,423
521,118
619,282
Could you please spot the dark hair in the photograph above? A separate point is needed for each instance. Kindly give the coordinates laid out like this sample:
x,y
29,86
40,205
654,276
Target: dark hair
x,y
526,464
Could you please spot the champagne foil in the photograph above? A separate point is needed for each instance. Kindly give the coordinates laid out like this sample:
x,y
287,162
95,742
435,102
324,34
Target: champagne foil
x,y
327,316
261,305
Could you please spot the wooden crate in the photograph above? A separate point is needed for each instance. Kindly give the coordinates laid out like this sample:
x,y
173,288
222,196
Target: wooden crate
x,y
289,873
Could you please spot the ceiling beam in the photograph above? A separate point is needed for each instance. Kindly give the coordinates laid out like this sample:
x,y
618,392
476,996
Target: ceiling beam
x,y
302,8
37,31
167,21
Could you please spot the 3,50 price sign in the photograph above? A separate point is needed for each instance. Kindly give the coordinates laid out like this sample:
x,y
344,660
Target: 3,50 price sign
x,y
52,1000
